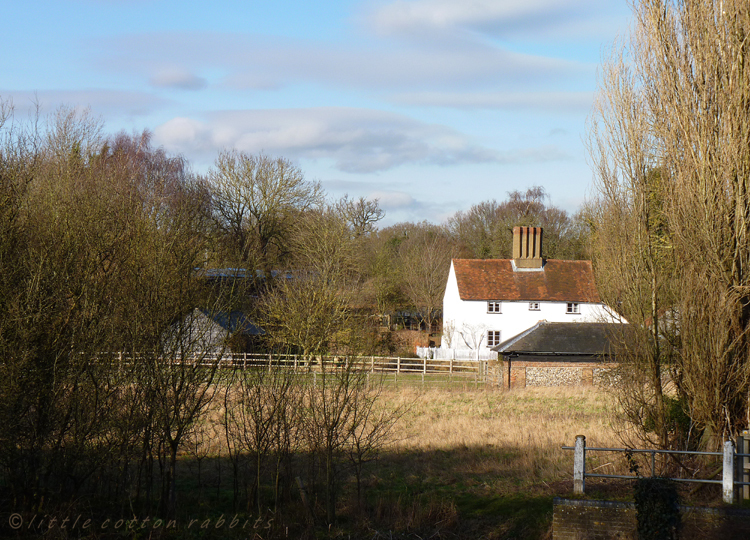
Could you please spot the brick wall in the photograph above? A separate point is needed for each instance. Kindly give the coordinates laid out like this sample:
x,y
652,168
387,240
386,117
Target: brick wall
x,y
593,520
606,520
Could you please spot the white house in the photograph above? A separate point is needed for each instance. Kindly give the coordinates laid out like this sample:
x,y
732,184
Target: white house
x,y
489,301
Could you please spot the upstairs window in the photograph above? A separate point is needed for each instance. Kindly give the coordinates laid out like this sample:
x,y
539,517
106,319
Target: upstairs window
x,y
573,308
494,307
534,306
493,338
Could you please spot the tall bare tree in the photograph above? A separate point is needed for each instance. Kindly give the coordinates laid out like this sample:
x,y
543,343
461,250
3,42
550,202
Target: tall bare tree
x,y
670,144
256,199
425,258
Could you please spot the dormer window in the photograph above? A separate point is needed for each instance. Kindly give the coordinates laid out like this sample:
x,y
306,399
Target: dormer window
x,y
494,307
534,306
574,308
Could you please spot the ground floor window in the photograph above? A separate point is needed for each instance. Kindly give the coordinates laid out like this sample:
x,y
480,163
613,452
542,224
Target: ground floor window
x,y
493,338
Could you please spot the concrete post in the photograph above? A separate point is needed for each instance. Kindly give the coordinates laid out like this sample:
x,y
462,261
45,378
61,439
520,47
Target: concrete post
x,y
579,465
728,473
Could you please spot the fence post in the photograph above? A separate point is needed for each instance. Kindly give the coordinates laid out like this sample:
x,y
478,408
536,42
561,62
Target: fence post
x,y
728,473
744,448
579,465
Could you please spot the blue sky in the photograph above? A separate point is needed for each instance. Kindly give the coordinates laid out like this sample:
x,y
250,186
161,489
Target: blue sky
x,y
428,105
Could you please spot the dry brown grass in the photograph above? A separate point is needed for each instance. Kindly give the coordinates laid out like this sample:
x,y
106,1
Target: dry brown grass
x,y
530,417
531,424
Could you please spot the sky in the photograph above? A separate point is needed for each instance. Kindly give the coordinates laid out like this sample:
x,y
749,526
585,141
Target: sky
x,y
429,106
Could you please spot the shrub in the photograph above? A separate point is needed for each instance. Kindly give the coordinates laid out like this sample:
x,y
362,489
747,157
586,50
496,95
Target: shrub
x,y
657,509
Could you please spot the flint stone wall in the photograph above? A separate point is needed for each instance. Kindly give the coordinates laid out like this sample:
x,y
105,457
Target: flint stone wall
x,y
521,373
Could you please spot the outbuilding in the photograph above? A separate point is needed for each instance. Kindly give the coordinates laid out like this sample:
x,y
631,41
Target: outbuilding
x,y
561,354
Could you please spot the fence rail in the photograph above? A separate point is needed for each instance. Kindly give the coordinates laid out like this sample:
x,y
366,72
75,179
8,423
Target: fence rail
x,y
735,465
471,370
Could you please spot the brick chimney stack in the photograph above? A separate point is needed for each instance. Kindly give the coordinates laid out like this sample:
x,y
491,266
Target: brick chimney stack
x,y
527,247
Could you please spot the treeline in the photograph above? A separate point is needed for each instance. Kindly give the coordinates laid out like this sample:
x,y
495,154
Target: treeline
x,y
108,245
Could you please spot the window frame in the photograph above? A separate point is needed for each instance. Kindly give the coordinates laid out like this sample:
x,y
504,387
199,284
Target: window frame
x,y
493,338
573,308
535,306
494,307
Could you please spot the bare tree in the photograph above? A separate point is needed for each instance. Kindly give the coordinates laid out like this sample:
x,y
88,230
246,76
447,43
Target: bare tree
x,y
361,214
372,425
673,164
473,336
261,416
255,201
344,419
425,258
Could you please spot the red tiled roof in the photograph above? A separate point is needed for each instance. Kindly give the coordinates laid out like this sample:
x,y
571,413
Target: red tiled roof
x,y
494,279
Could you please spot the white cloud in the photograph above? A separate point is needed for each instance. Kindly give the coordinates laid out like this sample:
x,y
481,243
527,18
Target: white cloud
x,y
448,13
562,18
258,63
392,200
547,101
356,140
177,78
185,135
108,103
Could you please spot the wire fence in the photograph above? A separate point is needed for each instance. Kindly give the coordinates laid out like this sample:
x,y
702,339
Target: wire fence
x,y
735,468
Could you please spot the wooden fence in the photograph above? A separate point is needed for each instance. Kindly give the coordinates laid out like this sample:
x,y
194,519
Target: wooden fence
x,y
425,368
